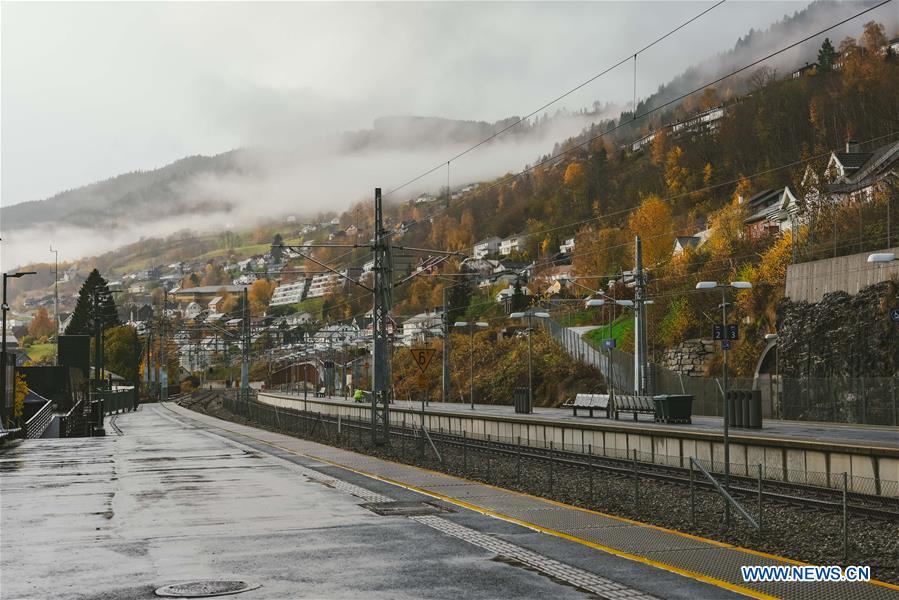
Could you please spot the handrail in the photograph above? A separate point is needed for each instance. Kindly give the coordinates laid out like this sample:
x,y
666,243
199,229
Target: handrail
x,y
725,494
39,421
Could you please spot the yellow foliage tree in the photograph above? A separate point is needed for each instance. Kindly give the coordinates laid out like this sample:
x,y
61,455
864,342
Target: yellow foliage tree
x,y
260,294
21,391
575,175
652,222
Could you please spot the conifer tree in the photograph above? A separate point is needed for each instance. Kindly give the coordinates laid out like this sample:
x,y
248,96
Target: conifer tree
x,y
82,322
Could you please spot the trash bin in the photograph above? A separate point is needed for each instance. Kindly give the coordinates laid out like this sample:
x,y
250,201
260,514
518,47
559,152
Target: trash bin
x,y
747,400
522,401
754,419
673,408
735,397
660,406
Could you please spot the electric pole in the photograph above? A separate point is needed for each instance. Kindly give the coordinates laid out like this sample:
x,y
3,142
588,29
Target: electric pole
x,y
383,281
245,350
446,346
164,389
641,386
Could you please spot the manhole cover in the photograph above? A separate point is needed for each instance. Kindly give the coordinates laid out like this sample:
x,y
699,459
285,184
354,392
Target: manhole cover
x,y
205,588
404,509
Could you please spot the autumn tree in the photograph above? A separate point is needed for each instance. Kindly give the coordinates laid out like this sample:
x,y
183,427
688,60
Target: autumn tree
x,y
20,392
41,325
215,275
121,351
260,294
652,221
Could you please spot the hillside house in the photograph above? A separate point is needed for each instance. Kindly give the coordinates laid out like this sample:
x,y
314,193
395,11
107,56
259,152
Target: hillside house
x,y
289,293
853,175
808,69
486,246
771,212
507,293
422,326
192,310
513,243
567,246
204,293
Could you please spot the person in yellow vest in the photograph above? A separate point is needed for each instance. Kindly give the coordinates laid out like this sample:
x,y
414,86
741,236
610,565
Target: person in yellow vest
x,y
359,396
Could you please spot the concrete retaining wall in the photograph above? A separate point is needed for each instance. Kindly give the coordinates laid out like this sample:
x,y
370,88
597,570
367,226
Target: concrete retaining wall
x,y
808,282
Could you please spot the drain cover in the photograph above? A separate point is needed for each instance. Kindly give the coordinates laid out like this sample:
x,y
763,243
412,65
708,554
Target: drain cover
x,y
404,509
205,588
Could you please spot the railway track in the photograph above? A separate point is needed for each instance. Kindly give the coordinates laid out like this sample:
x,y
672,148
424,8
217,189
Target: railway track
x,y
786,493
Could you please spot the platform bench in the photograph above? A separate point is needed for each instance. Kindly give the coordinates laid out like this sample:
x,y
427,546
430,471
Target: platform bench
x,y
634,404
590,403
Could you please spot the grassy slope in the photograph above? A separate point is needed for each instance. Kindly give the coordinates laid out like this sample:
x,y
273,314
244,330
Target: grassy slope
x,y
621,327
37,352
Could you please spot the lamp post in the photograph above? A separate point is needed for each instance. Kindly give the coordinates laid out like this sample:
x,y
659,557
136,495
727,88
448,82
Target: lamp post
x,y
471,328
714,285
530,315
56,297
5,308
772,337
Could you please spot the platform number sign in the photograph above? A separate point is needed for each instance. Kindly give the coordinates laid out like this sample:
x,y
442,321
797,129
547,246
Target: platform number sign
x,y
422,357
609,343
721,333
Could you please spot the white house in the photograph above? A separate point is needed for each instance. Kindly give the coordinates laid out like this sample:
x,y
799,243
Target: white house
x,y
192,311
486,246
511,244
322,284
567,247
422,326
510,291
288,293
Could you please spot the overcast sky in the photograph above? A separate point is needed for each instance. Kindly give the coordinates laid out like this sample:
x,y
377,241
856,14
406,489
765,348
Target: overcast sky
x,y
93,90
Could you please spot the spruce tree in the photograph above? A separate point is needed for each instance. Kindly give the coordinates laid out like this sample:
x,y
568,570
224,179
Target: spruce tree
x,y
277,251
82,322
827,56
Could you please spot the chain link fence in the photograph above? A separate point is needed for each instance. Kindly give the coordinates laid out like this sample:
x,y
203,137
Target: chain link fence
x,y
863,400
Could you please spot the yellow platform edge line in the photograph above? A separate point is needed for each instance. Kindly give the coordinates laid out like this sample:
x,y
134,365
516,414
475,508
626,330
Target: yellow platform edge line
x,y
546,530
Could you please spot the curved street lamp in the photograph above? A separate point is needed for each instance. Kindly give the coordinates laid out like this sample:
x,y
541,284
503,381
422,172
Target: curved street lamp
x,y
714,285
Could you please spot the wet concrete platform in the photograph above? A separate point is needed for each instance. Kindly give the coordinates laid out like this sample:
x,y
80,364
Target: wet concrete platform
x,y
868,436
175,499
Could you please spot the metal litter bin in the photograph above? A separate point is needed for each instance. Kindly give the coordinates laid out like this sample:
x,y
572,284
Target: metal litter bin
x,y
673,408
754,419
522,401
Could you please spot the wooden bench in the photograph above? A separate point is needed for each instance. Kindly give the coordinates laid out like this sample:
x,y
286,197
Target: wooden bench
x,y
634,404
590,402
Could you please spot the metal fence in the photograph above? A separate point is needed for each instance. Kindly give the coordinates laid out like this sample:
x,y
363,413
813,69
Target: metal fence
x,y
571,478
863,400
119,401
38,423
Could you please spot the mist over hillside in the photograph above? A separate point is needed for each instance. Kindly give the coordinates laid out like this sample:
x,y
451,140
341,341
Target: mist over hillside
x,y
243,186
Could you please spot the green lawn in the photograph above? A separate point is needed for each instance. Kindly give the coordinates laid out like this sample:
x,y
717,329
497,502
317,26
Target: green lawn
x,y
621,326
39,352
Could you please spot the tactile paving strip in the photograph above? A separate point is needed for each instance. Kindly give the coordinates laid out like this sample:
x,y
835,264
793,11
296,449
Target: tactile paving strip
x,y
605,588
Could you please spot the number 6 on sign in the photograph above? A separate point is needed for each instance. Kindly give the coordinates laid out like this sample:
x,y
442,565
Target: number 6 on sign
x,y
422,357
